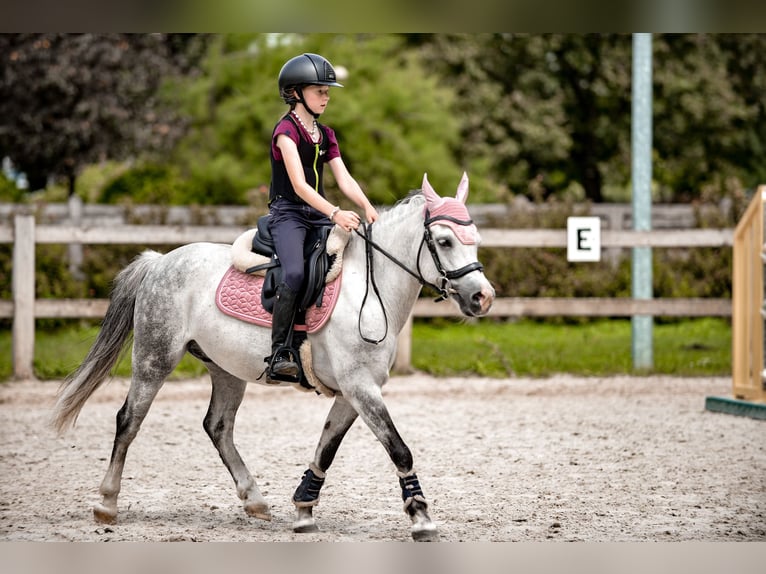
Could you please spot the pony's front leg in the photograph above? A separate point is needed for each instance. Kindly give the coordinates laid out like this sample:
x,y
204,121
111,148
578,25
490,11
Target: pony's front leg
x,y
368,402
340,418
415,505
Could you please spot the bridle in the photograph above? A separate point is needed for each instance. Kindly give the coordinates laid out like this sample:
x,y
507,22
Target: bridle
x,y
445,277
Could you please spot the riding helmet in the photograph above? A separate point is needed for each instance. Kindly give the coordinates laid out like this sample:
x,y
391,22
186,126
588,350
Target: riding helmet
x,y
304,70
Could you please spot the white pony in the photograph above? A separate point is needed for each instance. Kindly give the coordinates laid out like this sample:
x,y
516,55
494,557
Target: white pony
x,y
168,301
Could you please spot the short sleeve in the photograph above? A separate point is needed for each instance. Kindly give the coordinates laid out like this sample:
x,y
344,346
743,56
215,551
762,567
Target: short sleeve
x,y
284,127
333,150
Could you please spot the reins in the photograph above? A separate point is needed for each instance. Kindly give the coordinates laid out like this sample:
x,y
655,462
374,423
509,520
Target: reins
x,y
446,276
370,278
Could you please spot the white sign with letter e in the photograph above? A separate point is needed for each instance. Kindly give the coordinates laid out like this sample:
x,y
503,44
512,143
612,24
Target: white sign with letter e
x,y
583,239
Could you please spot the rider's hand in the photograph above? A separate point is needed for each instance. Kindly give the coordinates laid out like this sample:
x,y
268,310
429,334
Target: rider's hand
x,y
346,219
371,214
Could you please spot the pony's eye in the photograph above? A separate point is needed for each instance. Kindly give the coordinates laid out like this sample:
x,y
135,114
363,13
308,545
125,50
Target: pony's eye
x,y
444,242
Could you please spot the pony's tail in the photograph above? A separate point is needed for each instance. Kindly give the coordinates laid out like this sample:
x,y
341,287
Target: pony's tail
x,y
113,337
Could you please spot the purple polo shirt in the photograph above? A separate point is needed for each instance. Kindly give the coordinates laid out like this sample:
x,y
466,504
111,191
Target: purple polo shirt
x,y
288,128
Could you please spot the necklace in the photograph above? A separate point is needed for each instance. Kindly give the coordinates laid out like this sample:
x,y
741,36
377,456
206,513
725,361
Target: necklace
x,y
312,132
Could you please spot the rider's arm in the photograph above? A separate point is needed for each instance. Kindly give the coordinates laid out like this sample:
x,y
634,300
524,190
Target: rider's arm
x,y
346,219
349,186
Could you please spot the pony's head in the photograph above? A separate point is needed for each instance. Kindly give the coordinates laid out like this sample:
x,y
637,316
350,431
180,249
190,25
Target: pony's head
x,y
455,261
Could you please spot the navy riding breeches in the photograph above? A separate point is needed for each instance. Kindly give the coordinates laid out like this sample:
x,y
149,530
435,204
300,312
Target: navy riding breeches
x,y
289,224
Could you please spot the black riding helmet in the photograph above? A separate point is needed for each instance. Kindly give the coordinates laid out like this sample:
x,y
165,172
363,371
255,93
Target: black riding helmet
x,y
305,70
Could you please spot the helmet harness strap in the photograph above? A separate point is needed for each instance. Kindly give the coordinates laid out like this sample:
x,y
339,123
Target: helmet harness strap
x,y
301,99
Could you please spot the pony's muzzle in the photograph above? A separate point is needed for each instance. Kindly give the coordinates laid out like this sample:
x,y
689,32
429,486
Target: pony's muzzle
x,y
477,303
482,300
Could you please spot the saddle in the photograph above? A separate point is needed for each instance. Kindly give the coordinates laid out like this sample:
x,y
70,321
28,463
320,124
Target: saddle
x,y
318,261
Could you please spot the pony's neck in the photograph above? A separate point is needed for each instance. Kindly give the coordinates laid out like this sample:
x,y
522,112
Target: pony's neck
x,y
400,232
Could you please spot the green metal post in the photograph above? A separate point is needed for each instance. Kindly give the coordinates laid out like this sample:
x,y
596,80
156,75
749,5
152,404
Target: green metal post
x,y
641,144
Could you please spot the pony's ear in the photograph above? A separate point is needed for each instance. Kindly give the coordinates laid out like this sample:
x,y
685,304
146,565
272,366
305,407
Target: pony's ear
x,y
432,198
462,188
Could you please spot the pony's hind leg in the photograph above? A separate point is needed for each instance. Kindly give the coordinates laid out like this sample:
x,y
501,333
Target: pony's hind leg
x,y
156,352
340,418
228,392
129,419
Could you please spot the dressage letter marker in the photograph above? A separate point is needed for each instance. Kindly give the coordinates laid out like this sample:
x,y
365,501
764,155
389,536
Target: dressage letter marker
x,y
583,239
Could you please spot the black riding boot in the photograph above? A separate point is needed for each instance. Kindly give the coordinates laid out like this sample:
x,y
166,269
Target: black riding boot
x,y
282,363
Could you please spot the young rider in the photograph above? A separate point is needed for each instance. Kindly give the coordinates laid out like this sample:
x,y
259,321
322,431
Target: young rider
x,y
300,146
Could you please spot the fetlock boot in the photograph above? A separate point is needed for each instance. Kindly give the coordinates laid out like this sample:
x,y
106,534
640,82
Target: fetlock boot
x,y
282,363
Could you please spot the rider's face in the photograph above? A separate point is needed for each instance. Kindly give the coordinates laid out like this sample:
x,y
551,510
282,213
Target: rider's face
x,y
317,97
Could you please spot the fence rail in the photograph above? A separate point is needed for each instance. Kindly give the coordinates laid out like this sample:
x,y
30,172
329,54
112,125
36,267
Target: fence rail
x,y
24,308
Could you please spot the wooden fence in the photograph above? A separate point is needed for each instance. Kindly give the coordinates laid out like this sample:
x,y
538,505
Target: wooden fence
x,y
24,308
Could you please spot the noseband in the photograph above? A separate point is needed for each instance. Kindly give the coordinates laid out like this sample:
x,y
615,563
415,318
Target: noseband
x,y
444,289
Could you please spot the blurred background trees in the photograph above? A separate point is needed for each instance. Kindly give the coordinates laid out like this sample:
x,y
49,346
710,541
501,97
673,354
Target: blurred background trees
x,y
551,113
186,119
392,119
69,100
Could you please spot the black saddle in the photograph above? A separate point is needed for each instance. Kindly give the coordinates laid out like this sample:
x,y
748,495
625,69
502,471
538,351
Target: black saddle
x,y
316,260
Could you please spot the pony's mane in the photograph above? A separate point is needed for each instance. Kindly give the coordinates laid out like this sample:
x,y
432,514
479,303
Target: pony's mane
x,y
413,198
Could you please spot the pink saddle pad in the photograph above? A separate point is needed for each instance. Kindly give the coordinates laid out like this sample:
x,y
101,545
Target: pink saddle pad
x,y
239,295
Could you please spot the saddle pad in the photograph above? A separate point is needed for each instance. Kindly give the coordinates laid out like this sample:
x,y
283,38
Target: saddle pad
x,y
239,295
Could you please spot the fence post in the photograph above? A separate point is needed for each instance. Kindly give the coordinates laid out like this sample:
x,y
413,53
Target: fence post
x,y
23,286
75,250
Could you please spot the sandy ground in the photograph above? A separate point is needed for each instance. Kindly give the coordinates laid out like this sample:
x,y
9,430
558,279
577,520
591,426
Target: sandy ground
x,y
570,459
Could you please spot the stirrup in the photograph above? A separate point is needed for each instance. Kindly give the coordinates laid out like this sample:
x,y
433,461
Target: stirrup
x,y
289,368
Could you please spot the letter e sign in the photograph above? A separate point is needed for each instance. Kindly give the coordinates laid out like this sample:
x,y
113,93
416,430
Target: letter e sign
x,y
583,239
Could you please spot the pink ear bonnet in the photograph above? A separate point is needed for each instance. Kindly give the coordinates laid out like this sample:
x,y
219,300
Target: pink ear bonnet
x,y
451,211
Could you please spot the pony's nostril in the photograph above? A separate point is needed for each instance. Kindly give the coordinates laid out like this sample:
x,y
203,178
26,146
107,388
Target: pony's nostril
x,y
478,299
483,299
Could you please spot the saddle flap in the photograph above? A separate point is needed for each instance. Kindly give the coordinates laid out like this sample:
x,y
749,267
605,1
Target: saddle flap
x,y
317,263
263,243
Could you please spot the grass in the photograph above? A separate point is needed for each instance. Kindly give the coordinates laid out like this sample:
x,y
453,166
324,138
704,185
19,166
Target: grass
x,y
528,348
59,352
694,347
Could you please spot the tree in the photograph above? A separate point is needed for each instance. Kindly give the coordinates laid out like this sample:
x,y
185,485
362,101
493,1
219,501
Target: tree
x,y
549,112
700,118
546,110
67,100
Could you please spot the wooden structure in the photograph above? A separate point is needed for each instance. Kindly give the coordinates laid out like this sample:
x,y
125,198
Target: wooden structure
x,y
747,303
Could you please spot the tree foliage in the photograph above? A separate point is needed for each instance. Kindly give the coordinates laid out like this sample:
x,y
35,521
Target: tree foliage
x,y
551,113
392,118
67,100
534,114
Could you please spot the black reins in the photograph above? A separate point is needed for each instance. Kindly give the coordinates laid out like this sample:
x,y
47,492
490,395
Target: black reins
x,y
445,275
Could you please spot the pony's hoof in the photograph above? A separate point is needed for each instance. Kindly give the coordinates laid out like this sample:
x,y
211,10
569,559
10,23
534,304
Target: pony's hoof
x,y
425,533
304,526
104,515
258,510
